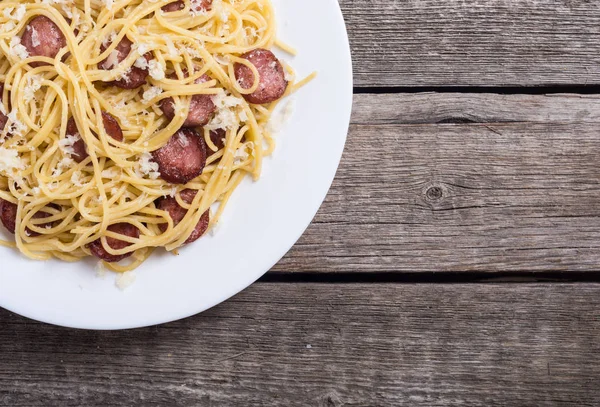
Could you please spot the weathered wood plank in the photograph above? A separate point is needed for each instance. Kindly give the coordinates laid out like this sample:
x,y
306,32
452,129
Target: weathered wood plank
x,y
326,345
439,108
474,42
520,194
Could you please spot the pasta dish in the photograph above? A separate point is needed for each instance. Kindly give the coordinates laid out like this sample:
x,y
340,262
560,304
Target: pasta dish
x,y
127,125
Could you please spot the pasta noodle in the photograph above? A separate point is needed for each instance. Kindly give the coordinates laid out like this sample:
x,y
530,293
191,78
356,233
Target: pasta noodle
x,y
68,204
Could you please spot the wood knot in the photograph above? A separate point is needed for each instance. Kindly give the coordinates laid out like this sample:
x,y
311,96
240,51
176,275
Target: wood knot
x,y
434,193
332,400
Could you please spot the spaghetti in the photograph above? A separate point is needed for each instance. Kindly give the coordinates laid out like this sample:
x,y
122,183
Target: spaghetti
x,y
65,204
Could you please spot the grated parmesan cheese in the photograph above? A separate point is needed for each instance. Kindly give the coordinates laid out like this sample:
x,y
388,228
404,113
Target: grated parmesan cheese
x,y
125,76
225,117
76,179
35,37
289,77
151,93
182,140
18,14
141,63
8,12
156,70
113,34
141,48
64,164
34,83
17,49
100,270
10,160
66,144
70,15
281,117
125,280
15,126
147,167
8,26
110,173
240,155
191,51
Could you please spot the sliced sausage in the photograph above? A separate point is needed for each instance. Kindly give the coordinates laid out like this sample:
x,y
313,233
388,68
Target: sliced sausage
x,y
201,109
42,38
8,215
271,83
197,5
183,157
136,77
174,6
80,153
218,139
3,117
98,250
111,126
177,213
3,120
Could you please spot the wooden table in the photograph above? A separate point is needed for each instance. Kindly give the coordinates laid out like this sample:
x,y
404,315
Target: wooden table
x,y
454,262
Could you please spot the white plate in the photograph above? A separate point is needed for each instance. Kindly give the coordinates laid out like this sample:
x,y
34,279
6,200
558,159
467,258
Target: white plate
x,y
261,223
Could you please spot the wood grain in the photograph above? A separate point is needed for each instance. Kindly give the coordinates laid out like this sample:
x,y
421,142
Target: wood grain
x,y
474,42
448,108
517,190
326,345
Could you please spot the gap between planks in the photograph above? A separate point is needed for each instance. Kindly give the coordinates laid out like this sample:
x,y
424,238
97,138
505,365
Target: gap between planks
x,y
400,277
505,90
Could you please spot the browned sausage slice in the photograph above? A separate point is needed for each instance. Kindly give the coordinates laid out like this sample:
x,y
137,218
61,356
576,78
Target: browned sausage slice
x,y
42,38
111,126
197,5
80,152
271,84
177,213
201,109
174,6
183,157
3,117
136,76
8,215
99,251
